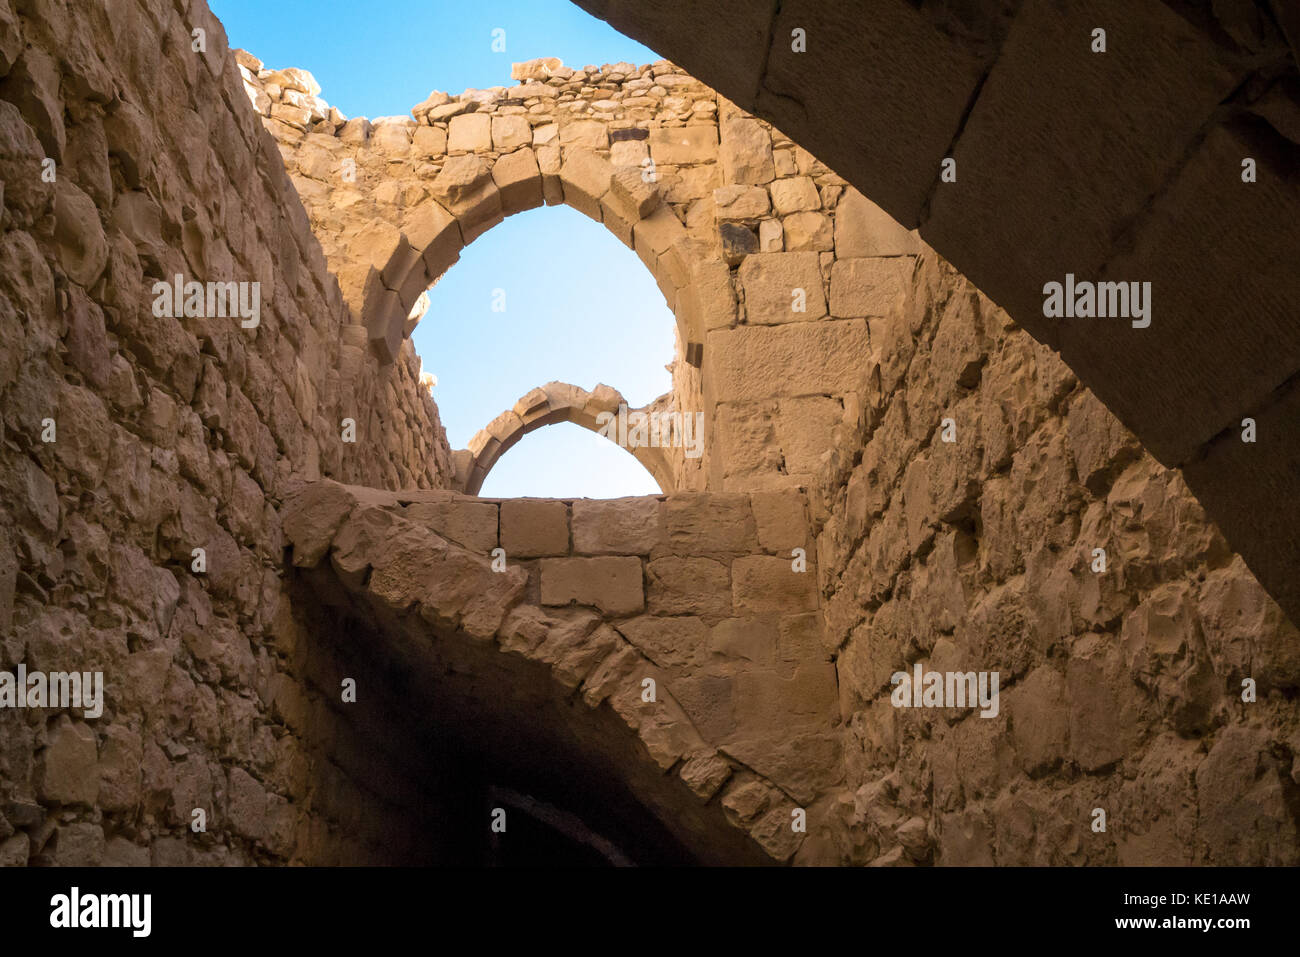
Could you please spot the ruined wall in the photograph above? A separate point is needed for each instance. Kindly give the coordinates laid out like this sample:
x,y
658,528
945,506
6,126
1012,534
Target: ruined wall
x,y
588,599
772,267
1120,689
129,440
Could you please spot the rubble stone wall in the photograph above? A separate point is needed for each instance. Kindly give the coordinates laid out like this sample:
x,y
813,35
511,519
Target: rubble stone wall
x,y
128,157
1121,684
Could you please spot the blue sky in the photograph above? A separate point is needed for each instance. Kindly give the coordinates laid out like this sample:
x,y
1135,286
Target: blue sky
x,y
579,306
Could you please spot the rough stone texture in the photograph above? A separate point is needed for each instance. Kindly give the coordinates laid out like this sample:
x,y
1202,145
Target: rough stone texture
x,y
1038,189
175,434
757,690
1121,688
979,555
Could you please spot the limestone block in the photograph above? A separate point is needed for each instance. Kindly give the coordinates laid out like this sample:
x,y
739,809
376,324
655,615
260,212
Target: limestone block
x,y
676,642
808,231
714,524
864,229
868,287
621,526
655,235
769,585
69,772
771,236
584,135
794,194
630,196
355,131
586,178
510,133
542,68
740,202
443,113
470,132
746,152
467,190
83,250
548,161
466,522
688,586
429,141
612,584
781,521
294,79
519,181
532,528
684,145
777,284
393,137
629,153
804,358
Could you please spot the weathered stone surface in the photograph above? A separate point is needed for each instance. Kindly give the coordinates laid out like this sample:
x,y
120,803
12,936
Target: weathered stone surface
x,y
864,229
746,153
531,528
626,526
782,287
612,584
681,145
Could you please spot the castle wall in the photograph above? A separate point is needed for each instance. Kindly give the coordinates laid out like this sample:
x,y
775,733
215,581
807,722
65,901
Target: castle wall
x,y
131,439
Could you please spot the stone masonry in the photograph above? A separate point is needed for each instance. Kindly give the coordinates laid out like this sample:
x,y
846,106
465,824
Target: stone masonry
x,y
232,523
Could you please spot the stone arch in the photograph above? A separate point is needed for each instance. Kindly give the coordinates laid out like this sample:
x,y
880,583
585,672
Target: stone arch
x,y
963,88
565,635
547,405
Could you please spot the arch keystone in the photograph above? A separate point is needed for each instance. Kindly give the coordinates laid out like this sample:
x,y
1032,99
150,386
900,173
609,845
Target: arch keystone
x,y
586,178
519,180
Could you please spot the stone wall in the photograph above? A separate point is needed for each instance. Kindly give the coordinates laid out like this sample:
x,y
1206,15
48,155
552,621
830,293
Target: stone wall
x,y
129,440
774,269
704,594
1120,689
